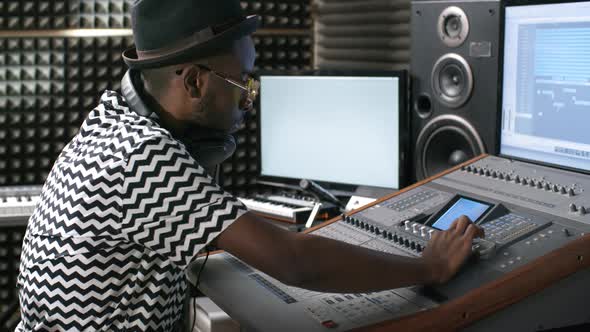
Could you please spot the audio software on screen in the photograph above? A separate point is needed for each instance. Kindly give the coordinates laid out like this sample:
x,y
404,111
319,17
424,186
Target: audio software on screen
x,y
546,88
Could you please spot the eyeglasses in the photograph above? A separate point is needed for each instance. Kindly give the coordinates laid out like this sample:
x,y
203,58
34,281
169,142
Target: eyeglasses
x,y
249,84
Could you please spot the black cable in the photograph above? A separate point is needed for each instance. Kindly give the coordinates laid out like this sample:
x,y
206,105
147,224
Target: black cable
x,y
194,319
317,190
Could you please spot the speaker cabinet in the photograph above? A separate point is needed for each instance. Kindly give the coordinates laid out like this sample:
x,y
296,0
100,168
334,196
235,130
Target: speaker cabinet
x,y
454,69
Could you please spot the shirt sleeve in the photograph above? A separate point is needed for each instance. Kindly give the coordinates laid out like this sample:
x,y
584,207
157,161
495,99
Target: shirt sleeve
x,y
170,204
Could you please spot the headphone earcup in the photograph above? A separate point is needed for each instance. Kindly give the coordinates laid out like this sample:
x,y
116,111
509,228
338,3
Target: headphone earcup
x,y
209,147
133,97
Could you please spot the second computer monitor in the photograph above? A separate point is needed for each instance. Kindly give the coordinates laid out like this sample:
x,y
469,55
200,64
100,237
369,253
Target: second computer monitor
x,y
335,128
546,83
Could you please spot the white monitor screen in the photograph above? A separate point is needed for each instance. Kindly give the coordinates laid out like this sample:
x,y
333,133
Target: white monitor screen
x,y
546,85
335,129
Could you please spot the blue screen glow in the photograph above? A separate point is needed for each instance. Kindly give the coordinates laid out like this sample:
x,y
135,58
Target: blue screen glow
x,y
463,206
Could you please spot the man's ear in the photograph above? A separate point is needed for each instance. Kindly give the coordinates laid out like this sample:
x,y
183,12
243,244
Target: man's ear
x,y
194,82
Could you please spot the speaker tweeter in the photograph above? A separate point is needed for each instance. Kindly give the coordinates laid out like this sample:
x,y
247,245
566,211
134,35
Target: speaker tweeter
x,y
453,26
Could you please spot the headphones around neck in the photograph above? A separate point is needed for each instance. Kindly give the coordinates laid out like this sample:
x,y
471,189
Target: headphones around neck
x,y
209,147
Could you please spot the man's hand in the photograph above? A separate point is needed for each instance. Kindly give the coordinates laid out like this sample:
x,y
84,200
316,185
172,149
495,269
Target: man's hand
x,y
448,250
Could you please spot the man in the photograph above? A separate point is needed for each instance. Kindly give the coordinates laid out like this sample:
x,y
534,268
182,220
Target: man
x,y
130,201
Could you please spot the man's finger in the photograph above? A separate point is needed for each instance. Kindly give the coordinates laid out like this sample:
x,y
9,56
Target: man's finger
x,y
455,223
480,232
473,231
462,223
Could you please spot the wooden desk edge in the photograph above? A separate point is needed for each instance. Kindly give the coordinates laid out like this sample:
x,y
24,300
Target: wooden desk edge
x,y
494,296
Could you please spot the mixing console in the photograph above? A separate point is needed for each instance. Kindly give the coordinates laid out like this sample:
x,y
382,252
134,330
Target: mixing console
x,y
532,257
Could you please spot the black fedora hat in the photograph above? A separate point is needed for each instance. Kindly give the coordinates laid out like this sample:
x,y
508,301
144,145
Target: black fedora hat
x,y
168,32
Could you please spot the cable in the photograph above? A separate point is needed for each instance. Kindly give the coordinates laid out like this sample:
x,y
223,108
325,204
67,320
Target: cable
x,y
194,318
319,192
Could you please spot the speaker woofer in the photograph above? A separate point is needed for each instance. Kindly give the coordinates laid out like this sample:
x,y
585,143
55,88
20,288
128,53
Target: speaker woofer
x,y
453,26
452,80
446,141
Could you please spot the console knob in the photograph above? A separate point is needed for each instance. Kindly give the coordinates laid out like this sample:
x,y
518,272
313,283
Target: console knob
x,y
532,183
501,176
430,233
573,207
423,231
481,171
415,228
563,191
487,172
571,192
494,174
582,211
524,182
555,188
517,179
540,185
508,177
547,186
407,225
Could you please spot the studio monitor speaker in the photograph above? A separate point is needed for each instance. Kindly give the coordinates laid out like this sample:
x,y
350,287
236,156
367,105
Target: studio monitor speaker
x,y
454,69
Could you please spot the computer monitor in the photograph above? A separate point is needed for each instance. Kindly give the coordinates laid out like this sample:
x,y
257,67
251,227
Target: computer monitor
x,y
546,83
335,128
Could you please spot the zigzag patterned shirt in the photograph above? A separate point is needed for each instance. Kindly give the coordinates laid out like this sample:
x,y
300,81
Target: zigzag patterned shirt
x,y
124,210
